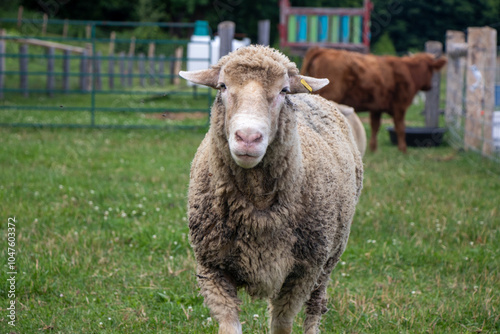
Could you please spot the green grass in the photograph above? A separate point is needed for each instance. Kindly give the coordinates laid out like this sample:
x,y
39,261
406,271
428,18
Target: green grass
x,y
102,238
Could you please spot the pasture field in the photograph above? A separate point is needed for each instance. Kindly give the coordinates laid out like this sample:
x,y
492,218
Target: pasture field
x,y
101,240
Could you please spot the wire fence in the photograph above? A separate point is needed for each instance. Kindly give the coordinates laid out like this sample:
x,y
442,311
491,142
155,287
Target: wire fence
x,y
73,73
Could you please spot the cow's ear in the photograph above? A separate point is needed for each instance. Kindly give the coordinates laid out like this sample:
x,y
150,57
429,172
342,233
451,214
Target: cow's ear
x,y
208,77
304,84
439,63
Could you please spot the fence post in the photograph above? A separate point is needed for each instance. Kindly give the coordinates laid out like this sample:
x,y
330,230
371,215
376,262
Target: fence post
x,y
122,68
432,96
50,71
161,69
226,34
177,65
65,28
83,70
65,78
44,24
2,61
151,61
264,30
23,67
97,70
112,38
480,89
456,53
131,52
141,69
111,70
20,17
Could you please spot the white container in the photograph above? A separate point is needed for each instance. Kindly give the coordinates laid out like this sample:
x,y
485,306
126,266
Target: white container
x,y
496,130
199,48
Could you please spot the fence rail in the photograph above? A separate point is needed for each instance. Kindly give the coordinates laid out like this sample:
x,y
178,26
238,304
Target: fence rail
x,y
53,81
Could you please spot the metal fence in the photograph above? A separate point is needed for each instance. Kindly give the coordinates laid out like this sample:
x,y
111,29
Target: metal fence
x,y
68,73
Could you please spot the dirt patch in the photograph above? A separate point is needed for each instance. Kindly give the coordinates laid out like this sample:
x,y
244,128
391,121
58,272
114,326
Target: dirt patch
x,y
178,116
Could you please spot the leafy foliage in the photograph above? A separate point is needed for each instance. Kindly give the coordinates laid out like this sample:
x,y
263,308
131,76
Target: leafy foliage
x,y
409,24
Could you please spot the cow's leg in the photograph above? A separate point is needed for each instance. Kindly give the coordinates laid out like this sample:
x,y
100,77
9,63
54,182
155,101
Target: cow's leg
x,y
399,126
375,125
221,298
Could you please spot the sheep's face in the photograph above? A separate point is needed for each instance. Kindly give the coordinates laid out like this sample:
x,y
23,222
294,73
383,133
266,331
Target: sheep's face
x,y
252,109
253,93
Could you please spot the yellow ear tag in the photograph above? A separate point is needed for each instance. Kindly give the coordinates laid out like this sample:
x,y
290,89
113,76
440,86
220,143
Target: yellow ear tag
x,y
302,81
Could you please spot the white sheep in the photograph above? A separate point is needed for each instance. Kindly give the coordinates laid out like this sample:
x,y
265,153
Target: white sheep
x,y
273,190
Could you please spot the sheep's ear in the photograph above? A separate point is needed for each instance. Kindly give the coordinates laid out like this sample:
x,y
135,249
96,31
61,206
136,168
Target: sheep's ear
x,y
208,77
304,84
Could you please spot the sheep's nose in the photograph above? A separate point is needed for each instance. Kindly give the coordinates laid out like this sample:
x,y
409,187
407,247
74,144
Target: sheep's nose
x,y
248,138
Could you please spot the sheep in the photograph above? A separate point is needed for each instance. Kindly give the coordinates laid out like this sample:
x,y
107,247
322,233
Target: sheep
x,y
358,129
272,192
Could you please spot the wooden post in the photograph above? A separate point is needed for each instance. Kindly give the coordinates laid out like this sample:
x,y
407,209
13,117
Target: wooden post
x,y
131,52
112,38
90,66
23,68
177,65
264,32
65,77
456,53
97,70
122,68
432,96
226,34
161,69
2,61
20,17
111,71
151,61
44,24
50,71
480,89
130,70
83,70
111,60
141,69
88,31
65,28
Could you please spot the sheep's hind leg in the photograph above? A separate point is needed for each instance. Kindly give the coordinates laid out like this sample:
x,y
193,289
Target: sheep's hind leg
x,y
315,308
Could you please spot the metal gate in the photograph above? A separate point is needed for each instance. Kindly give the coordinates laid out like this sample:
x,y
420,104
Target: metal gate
x,y
99,74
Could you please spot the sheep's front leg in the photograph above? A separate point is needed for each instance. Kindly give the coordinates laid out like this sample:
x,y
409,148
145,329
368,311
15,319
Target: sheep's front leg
x,y
221,298
286,305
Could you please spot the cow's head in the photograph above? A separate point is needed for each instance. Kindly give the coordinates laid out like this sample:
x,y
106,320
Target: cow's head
x,y
422,67
252,83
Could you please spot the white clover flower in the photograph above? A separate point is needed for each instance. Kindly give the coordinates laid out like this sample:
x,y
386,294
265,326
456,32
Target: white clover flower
x,y
190,309
61,295
154,236
92,191
255,316
61,186
157,209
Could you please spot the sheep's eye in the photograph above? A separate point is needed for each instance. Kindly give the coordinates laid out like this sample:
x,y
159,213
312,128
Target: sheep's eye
x,y
221,85
285,90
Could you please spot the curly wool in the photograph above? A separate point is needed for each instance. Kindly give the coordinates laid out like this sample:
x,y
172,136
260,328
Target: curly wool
x,y
277,229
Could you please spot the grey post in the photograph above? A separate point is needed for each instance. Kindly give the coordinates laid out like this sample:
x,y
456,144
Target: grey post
x,y
65,77
264,31
23,68
142,80
111,71
2,61
226,34
432,96
83,70
97,70
122,68
50,71
161,69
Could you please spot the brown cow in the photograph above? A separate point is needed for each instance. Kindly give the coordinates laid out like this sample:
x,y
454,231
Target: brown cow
x,y
373,83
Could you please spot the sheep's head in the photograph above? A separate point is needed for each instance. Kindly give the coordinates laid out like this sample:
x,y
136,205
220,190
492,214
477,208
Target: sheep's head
x,y
252,83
